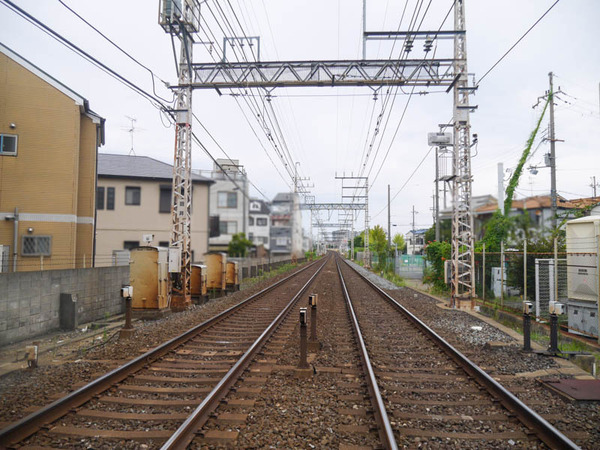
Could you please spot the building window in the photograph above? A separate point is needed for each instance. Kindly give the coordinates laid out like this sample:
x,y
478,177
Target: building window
x,y
281,241
251,236
251,221
36,245
228,227
227,200
100,197
110,198
265,240
254,206
8,144
130,245
133,195
164,201
262,222
163,244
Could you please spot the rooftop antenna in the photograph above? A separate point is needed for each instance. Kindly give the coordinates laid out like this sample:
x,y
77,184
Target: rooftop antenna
x,y
131,130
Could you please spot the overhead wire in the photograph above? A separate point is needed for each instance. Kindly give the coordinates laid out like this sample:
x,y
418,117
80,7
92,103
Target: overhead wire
x,y
152,74
156,102
516,43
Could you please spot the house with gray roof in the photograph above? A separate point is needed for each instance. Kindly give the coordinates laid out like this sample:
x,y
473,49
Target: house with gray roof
x,y
133,198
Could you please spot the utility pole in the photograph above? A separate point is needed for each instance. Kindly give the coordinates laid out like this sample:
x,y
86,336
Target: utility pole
x,y
437,194
367,251
552,153
594,185
413,229
389,220
364,25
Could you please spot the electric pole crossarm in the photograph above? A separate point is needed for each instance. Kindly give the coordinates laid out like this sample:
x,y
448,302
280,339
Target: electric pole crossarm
x,y
386,35
416,72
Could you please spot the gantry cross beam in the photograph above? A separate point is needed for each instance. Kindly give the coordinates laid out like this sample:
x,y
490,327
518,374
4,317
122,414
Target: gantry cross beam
x,y
406,72
333,206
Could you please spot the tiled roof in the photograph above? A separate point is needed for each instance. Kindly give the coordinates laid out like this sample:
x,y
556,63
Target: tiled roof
x,y
537,202
125,166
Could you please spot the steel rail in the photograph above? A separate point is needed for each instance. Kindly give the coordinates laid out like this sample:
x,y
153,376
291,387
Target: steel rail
x,y
187,431
544,430
385,428
30,424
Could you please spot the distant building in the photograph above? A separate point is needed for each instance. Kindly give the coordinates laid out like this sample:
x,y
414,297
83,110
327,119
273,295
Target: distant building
x,y
228,202
49,139
133,198
286,225
415,242
259,223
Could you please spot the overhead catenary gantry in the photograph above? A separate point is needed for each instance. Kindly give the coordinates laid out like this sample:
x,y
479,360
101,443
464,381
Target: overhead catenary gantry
x,y
181,18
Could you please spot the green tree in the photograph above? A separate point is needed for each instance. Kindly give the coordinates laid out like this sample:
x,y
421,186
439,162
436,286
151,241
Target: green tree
x,y
497,229
398,239
377,239
239,245
430,234
359,241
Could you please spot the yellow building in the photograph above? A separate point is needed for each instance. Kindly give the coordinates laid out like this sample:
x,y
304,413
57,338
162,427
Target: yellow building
x,y
134,200
49,139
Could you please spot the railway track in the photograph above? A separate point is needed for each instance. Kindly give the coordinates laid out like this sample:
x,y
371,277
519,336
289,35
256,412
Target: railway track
x,y
382,379
146,400
429,390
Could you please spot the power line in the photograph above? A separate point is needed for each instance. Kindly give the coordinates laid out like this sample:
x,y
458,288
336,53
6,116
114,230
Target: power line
x,y
516,43
407,181
159,105
152,74
46,29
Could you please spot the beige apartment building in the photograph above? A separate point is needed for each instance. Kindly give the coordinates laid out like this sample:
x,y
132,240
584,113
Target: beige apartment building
x,y
49,139
133,199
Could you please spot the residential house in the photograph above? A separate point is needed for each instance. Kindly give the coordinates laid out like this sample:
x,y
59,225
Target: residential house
x,y
49,138
259,223
415,241
286,225
228,202
133,198
538,208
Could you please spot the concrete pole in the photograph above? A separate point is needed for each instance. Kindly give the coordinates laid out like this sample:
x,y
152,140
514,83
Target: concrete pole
x,y
364,27
483,290
437,195
389,220
502,274
525,270
556,269
501,187
552,154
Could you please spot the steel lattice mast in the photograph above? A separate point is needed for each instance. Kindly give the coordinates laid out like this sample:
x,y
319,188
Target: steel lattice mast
x,y
181,20
463,258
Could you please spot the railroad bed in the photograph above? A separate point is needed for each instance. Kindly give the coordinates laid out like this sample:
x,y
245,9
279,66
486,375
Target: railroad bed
x,y
180,397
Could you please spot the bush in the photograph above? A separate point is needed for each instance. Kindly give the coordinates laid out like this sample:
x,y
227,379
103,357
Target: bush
x,y
436,253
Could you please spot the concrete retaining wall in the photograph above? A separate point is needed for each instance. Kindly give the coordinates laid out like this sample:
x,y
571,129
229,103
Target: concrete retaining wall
x,y
30,301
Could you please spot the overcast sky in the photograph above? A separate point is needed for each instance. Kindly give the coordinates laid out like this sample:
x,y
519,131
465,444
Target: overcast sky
x,y
327,129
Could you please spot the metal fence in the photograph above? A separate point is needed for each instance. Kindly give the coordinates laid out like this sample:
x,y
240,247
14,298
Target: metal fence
x,y
510,277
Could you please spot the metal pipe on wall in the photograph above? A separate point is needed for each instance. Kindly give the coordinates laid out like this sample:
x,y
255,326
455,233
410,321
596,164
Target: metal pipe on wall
x,y
15,238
